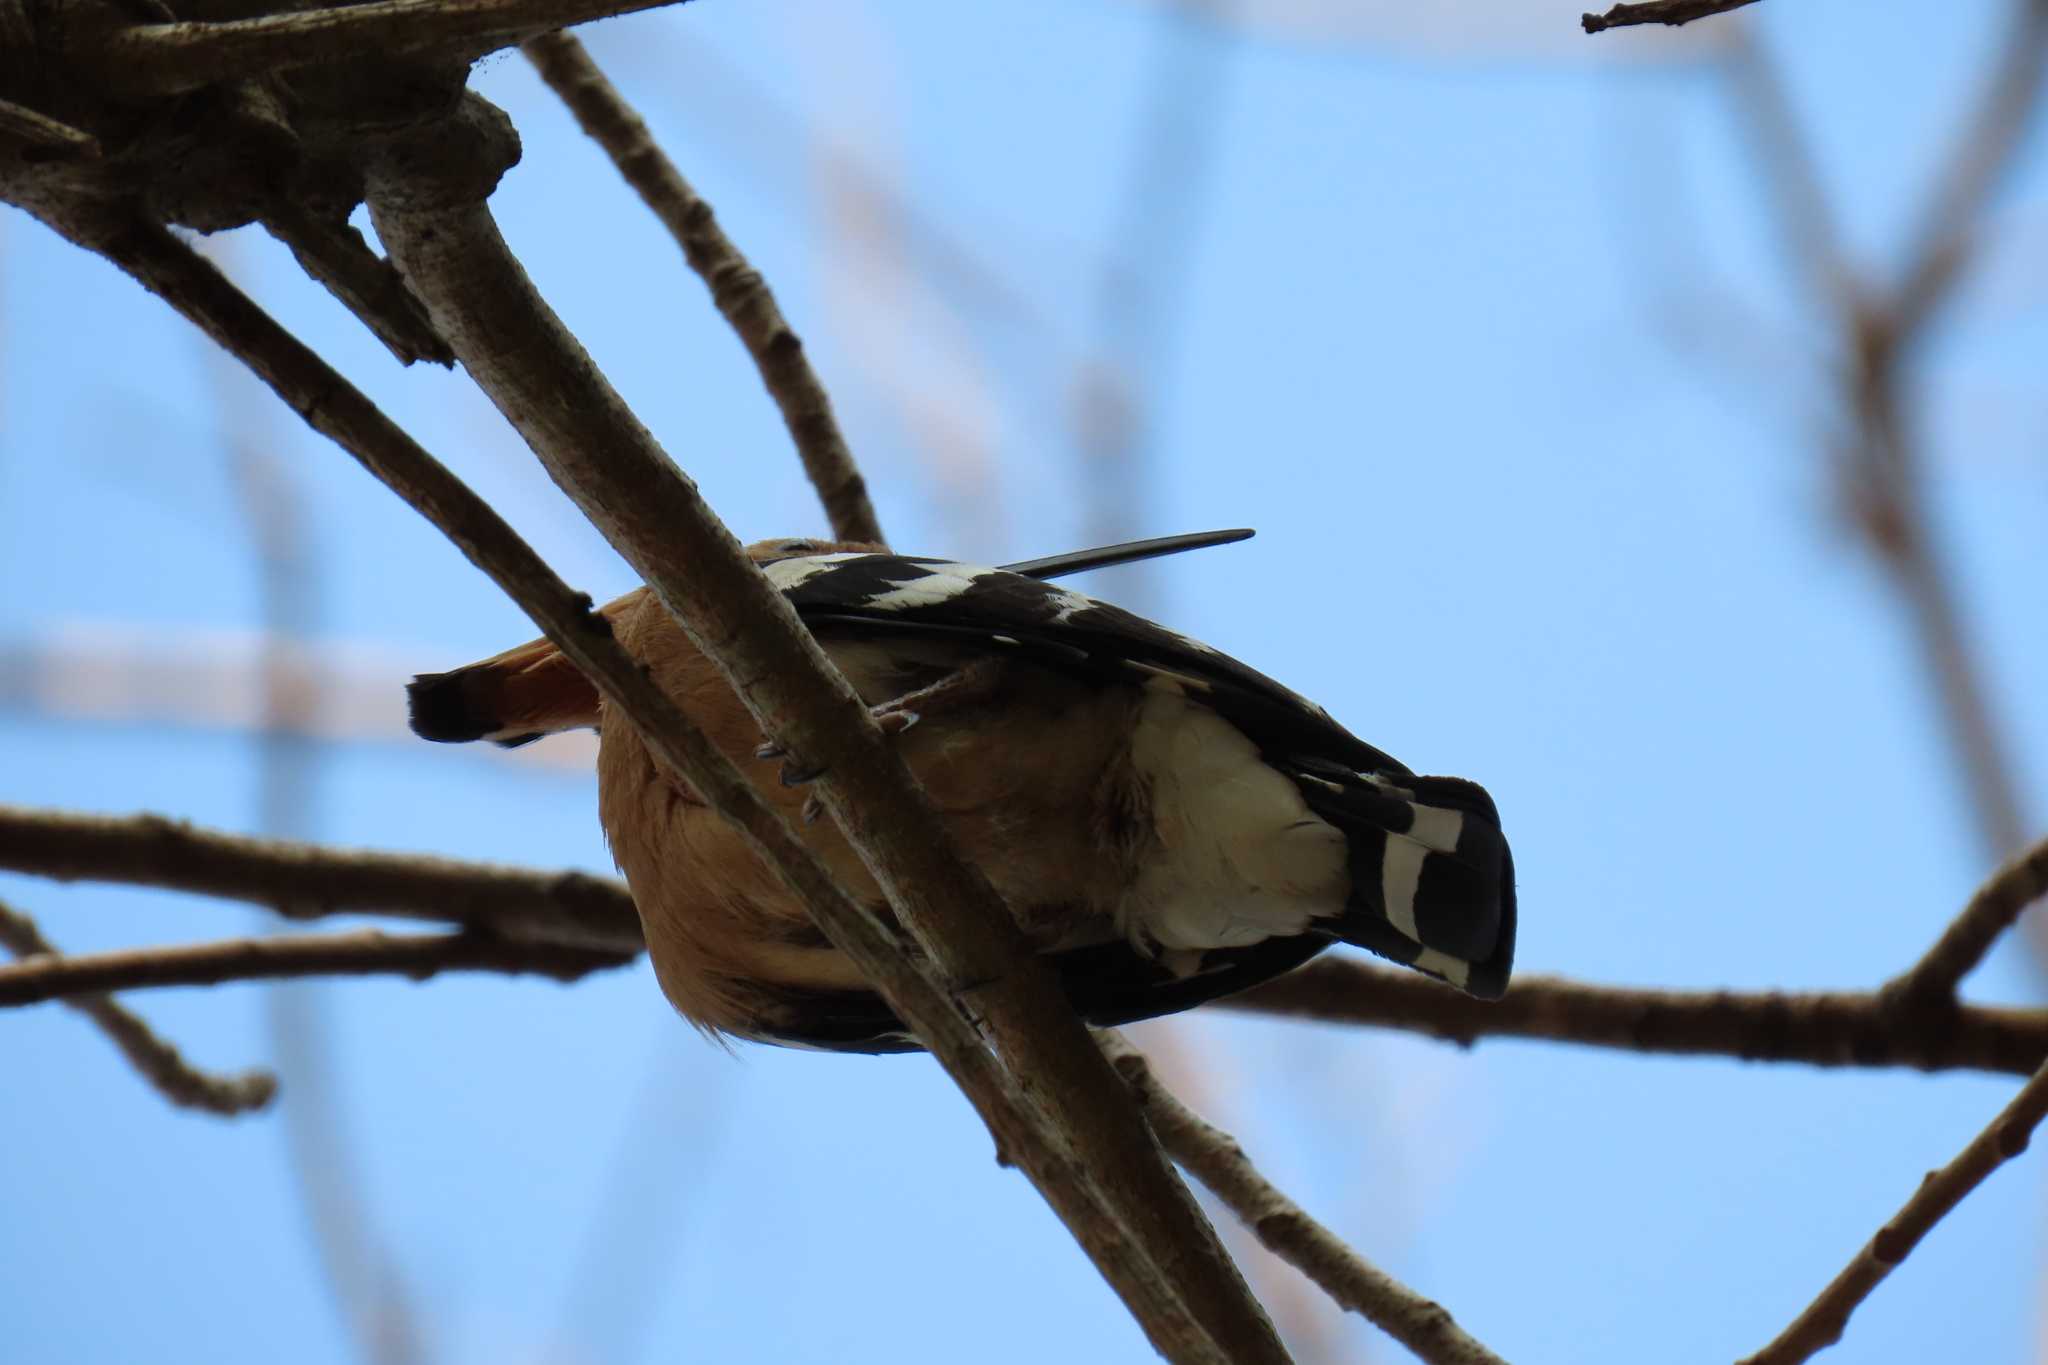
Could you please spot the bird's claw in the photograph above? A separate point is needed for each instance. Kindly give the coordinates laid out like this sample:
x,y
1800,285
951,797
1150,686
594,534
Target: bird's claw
x,y
894,720
795,774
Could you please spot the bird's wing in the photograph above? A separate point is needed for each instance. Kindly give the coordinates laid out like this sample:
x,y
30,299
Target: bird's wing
x,y
879,594
1432,877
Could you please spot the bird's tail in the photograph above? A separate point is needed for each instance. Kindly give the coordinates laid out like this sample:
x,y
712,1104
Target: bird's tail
x,y
511,698
1432,882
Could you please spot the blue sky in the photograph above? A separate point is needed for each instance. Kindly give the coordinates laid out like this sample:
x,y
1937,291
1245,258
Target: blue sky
x,y
1493,342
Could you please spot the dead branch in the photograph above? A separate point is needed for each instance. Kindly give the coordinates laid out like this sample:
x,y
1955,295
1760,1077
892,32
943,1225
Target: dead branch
x,y
739,291
310,880
368,952
161,1064
1214,1157
1670,13
444,240
168,58
332,406
1827,1317
1835,1029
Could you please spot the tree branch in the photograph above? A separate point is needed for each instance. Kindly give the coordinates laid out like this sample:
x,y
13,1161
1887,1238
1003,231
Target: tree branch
x,y
1022,1127
442,237
1213,1157
1827,1317
308,880
1848,1029
161,1064
1819,1028
739,291
1670,13
166,59
52,139
368,952
1995,908
363,282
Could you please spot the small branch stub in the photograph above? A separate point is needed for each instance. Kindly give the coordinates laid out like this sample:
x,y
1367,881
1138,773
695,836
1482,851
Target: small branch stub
x,y
1670,13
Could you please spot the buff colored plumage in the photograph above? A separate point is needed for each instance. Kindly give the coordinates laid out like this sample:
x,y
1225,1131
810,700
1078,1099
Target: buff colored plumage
x,y
1166,825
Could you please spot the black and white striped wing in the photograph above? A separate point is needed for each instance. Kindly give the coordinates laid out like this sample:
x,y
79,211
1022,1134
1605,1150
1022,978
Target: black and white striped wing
x,y
1433,882
1060,628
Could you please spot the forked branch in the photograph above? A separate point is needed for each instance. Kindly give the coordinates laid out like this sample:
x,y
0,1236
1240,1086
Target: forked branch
x,y
159,1063
1214,1157
740,293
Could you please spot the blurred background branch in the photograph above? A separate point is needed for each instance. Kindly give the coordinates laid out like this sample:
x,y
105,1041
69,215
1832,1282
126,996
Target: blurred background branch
x,y
1876,456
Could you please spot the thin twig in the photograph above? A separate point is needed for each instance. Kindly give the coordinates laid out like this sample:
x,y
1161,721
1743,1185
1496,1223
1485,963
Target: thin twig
x,y
443,238
1995,908
335,254
739,291
53,138
1028,1133
1214,1157
1834,1029
166,59
1670,13
1824,1320
366,952
308,880
161,1064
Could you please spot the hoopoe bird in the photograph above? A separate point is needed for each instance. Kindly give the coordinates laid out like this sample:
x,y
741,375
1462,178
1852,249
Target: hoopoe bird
x,y
1166,824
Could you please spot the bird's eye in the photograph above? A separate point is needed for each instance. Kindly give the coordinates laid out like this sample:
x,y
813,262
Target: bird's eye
x,y
800,547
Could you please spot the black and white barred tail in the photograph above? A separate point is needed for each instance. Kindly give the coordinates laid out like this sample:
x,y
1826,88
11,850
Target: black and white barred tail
x,y
1432,881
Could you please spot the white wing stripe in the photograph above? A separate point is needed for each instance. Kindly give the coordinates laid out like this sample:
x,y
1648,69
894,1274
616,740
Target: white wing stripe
x,y
1400,875
1437,828
1455,970
928,591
